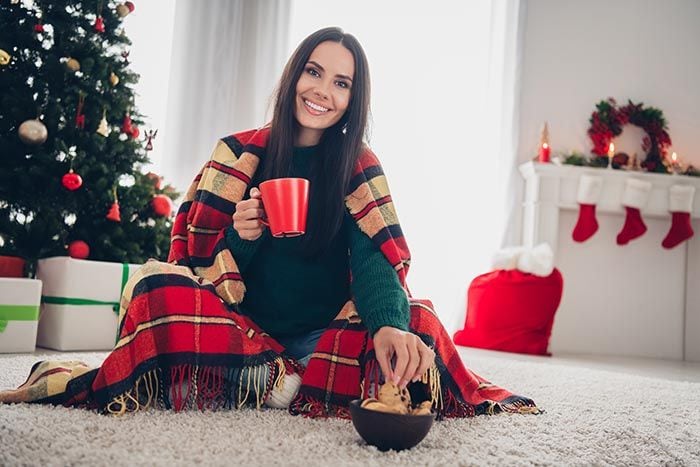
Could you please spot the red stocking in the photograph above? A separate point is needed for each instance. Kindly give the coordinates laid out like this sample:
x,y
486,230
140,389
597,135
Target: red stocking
x,y
681,205
589,188
635,198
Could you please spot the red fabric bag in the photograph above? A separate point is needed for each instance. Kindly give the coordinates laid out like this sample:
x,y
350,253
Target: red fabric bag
x,y
512,311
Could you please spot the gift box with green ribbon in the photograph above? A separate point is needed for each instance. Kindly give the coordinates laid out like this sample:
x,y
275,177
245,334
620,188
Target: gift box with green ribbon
x,y
19,312
80,302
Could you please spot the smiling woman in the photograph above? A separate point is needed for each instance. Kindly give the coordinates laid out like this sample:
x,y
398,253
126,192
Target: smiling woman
x,y
310,323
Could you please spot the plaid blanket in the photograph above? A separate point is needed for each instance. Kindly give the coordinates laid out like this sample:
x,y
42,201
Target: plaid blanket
x,y
182,344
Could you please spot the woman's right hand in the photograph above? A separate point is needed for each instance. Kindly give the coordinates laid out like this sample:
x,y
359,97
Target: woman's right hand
x,y
247,218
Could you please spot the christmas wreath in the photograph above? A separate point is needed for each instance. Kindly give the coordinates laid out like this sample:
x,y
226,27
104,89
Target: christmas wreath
x,y
607,122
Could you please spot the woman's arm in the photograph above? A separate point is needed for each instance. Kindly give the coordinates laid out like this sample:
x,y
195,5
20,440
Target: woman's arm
x,y
383,306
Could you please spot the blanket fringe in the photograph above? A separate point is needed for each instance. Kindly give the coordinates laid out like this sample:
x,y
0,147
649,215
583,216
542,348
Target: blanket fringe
x,y
202,387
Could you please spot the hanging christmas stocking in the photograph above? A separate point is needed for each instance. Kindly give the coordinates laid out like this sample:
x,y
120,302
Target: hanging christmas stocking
x,y
634,198
589,187
680,203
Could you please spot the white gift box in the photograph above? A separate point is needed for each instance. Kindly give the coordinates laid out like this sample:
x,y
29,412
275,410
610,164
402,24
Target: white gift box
x,y
80,302
19,312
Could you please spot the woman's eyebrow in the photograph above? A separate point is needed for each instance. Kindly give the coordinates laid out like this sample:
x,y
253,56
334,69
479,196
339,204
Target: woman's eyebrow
x,y
318,65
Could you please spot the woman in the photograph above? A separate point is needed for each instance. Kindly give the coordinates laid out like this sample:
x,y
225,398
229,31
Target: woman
x,y
308,323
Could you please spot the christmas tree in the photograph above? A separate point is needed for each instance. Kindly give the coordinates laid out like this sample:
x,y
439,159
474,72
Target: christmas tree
x,y
71,152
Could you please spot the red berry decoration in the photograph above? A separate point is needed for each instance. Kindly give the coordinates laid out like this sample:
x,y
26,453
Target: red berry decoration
x,y
39,27
130,6
113,214
72,181
162,205
78,249
99,24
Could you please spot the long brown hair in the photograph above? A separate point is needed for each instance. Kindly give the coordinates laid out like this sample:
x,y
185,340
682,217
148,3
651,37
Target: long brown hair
x,y
339,147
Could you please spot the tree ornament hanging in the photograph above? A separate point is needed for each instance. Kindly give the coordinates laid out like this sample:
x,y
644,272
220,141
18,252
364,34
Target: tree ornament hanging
x,y
123,10
162,205
126,125
99,24
103,128
32,132
39,28
73,64
79,115
78,249
135,132
130,6
4,58
113,214
71,181
113,79
150,136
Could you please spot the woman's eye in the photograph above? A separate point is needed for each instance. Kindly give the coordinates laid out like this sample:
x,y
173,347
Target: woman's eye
x,y
313,72
342,84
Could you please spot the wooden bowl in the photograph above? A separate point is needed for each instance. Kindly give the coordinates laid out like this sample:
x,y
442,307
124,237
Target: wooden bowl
x,y
389,431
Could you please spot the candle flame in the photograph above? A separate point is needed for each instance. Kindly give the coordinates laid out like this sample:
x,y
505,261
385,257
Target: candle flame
x,y
545,145
611,150
674,157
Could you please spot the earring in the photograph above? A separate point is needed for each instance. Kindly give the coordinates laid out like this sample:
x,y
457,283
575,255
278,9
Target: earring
x,y
344,129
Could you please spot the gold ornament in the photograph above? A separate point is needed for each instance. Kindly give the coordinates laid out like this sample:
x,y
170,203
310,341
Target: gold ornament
x,y
33,132
113,79
4,58
103,128
123,10
73,65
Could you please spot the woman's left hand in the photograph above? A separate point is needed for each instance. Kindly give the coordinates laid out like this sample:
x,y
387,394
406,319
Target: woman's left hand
x,y
413,357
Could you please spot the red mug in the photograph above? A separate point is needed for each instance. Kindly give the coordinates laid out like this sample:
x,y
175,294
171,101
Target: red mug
x,y
286,202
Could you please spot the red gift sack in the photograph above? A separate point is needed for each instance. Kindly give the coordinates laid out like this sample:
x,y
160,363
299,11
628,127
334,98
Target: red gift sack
x,y
512,311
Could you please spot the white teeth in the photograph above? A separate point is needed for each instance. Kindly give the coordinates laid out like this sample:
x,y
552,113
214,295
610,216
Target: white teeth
x,y
315,107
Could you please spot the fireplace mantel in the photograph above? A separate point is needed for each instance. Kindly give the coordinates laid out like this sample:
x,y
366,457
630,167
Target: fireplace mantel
x,y
633,300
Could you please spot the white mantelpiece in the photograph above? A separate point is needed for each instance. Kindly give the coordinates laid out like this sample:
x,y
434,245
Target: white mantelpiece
x,y
633,300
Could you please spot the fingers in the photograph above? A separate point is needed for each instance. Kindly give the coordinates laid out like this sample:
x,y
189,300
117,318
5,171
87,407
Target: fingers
x,y
402,360
384,359
427,358
246,219
413,362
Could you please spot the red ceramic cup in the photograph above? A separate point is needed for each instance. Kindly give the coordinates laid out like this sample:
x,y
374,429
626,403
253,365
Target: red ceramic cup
x,y
286,202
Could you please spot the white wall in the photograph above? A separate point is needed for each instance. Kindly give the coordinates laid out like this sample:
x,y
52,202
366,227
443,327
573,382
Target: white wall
x,y
575,54
579,52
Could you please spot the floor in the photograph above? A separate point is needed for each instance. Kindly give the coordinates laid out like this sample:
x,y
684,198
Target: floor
x,y
666,369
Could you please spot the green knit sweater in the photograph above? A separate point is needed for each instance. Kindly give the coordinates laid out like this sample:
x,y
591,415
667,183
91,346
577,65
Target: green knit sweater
x,y
288,294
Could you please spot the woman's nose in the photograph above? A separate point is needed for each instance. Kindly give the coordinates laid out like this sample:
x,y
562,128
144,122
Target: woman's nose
x,y
321,92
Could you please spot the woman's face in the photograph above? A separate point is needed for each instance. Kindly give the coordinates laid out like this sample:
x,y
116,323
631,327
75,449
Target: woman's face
x,y
323,91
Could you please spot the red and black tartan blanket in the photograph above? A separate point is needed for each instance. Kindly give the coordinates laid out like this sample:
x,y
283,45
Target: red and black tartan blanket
x,y
182,344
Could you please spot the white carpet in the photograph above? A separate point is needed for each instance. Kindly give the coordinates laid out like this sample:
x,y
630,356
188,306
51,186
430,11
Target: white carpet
x,y
593,418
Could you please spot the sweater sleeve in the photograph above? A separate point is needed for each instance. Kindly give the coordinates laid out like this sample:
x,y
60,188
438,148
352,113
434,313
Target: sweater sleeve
x,y
242,250
378,295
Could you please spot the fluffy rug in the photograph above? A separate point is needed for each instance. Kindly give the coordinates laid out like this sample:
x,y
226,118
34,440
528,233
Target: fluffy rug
x,y
593,418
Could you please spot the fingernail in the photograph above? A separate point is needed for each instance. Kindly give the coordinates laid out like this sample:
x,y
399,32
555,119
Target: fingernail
x,y
404,383
415,378
395,380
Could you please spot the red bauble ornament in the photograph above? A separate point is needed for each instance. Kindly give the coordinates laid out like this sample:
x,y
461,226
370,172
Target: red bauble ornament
x,y
130,6
162,205
39,27
126,125
99,24
113,214
135,132
72,181
78,249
